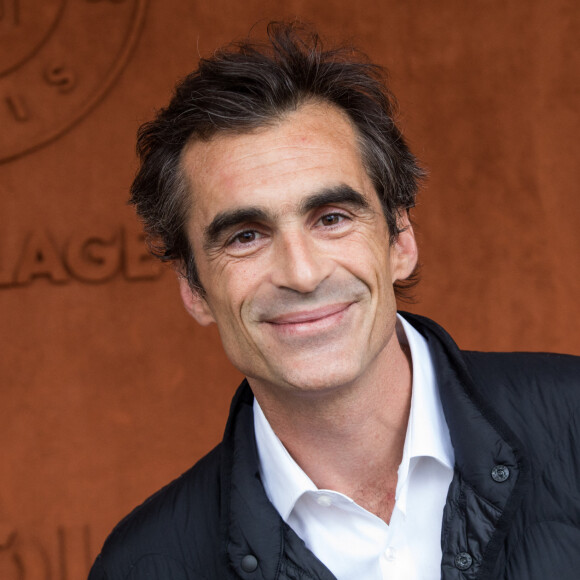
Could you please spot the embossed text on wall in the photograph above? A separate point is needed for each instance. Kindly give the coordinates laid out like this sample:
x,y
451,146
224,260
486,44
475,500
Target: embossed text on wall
x,y
85,256
57,61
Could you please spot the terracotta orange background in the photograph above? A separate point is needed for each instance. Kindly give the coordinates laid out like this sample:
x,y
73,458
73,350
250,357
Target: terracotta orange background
x,y
108,389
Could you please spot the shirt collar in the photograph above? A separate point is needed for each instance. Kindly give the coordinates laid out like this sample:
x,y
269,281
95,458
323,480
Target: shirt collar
x,y
427,435
427,432
283,479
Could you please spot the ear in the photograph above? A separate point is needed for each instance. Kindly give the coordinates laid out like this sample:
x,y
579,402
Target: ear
x,y
404,253
194,302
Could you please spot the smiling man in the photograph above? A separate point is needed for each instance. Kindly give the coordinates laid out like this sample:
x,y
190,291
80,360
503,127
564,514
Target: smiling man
x,y
363,444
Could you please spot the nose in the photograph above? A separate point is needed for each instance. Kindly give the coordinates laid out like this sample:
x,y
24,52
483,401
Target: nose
x,y
299,264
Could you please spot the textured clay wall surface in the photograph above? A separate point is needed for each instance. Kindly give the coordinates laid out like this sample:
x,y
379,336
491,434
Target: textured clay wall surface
x,y
108,389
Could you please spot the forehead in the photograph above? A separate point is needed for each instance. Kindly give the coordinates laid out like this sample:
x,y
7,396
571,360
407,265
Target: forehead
x,y
308,149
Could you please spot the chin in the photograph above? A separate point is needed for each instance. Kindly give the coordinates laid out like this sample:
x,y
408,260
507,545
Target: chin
x,y
322,381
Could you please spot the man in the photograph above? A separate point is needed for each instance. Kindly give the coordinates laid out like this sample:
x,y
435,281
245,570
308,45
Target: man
x,y
363,444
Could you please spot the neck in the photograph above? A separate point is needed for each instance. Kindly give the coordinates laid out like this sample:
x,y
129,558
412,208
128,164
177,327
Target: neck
x,y
351,439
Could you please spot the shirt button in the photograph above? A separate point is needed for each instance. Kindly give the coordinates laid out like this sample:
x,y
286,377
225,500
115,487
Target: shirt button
x,y
463,561
324,500
249,563
500,473
390,553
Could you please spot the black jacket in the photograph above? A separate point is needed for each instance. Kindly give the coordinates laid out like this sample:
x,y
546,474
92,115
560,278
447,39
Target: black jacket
x,y
512,512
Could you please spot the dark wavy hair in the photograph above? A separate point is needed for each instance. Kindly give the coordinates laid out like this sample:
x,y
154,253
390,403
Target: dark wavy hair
x,y
251,84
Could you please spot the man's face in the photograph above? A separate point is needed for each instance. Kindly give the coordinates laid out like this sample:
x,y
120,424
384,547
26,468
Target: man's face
x,y
293,251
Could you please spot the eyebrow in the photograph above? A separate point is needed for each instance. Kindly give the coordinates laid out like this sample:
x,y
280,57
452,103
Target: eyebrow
x,y
333,195
328,196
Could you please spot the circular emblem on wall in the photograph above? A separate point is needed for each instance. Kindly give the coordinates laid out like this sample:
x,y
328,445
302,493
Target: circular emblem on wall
x,y
58,59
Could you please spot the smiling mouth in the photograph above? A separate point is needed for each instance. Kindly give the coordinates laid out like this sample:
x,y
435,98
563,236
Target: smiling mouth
x,y
310,317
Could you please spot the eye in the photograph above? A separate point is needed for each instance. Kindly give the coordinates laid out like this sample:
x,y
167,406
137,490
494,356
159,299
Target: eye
x,y
245,237
245,242
332,219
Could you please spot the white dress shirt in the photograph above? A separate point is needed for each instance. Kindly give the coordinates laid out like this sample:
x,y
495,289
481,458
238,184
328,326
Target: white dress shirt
x,y
353,543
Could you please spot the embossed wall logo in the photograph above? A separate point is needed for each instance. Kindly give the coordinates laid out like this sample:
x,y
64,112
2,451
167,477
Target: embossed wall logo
x,y
58,59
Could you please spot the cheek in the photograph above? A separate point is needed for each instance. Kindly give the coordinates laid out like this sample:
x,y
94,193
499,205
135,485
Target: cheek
x,y
369,260
231,300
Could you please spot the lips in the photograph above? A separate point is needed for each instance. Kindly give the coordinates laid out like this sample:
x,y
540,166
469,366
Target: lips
x,y
309,316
